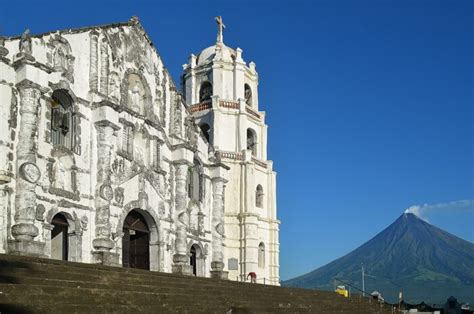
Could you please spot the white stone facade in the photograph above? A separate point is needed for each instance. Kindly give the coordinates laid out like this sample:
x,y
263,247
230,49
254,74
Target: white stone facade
x,y
94,131
221,91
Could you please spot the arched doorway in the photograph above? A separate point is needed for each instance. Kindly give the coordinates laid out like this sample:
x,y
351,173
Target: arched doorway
x,y
193,259
136,242
59,237
196,260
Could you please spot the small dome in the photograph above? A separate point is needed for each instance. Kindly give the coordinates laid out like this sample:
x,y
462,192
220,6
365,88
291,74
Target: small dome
x,y
209,53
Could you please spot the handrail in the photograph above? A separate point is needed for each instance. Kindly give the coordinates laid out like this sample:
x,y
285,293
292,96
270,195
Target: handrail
x,y
201,106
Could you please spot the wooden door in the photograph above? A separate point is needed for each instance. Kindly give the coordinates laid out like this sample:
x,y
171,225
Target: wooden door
x,y
135,242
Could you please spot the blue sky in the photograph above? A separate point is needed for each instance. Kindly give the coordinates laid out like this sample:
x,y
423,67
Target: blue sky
x,y
369,104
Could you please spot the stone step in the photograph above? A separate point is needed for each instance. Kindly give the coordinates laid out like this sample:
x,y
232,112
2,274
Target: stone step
x,y
46,286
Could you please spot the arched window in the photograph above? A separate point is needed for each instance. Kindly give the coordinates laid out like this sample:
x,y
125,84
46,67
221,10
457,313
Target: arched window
x,y
206,130
259,196
261,255
62,124
195,181
252,141
248,95
205,91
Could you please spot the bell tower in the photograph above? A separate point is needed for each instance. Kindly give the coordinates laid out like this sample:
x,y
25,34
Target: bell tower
x,y
221,91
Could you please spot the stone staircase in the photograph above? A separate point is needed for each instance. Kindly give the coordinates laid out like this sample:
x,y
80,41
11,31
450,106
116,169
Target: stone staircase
x,y
33,285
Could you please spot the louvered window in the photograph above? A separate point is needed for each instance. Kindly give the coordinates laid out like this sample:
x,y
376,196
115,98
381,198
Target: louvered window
x,y
127,139
62,120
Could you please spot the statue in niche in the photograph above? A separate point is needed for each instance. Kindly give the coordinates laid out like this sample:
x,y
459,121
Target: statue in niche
x,y
60,61
201,222
191,134
114,86
193,218
25,42
59,175
135,97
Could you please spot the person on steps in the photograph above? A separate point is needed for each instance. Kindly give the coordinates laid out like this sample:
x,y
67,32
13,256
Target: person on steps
x,y
253,277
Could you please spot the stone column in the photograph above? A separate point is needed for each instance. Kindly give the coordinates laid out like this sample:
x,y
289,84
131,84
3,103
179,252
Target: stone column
x,y
103,244
180,258
93,75
27,174
104,67
217,263
4,196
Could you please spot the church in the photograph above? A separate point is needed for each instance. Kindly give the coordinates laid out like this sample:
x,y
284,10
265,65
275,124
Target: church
x,y
104,159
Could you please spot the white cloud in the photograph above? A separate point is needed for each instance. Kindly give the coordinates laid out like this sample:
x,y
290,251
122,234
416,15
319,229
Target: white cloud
x,y
455,206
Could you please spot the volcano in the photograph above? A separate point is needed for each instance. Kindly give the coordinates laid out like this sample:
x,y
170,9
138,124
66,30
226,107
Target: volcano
x,y
424,262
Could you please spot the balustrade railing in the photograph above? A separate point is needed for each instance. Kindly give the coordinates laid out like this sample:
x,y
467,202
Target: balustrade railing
x,y
229,104
201,106
230,155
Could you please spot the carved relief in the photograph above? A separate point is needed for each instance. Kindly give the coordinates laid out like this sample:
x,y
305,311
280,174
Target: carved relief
x,y
30,172
63,174
135,92
84,222
40,210
114,86
62,59
106,192
119,195
104,66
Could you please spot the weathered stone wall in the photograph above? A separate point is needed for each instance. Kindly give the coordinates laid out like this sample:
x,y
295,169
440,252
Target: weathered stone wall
x,y
118,88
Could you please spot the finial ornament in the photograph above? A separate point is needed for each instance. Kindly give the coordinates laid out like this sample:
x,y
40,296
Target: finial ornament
x,y
220,29
25,42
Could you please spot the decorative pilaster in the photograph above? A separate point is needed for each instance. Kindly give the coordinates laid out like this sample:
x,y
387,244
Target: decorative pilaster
x,y
103,244
93,75
104,67
27,174
180,258
217,263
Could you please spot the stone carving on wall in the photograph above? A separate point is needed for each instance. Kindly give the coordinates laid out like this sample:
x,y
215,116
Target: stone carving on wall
x,y
161,209
40,210
93,60
135,92
118,167
104,66
119,195
63,174
84,222
114,86
220,229
201,222
106,192
191,131
176,116
164,97
30,172
61,59
3,50
12,122
25,42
